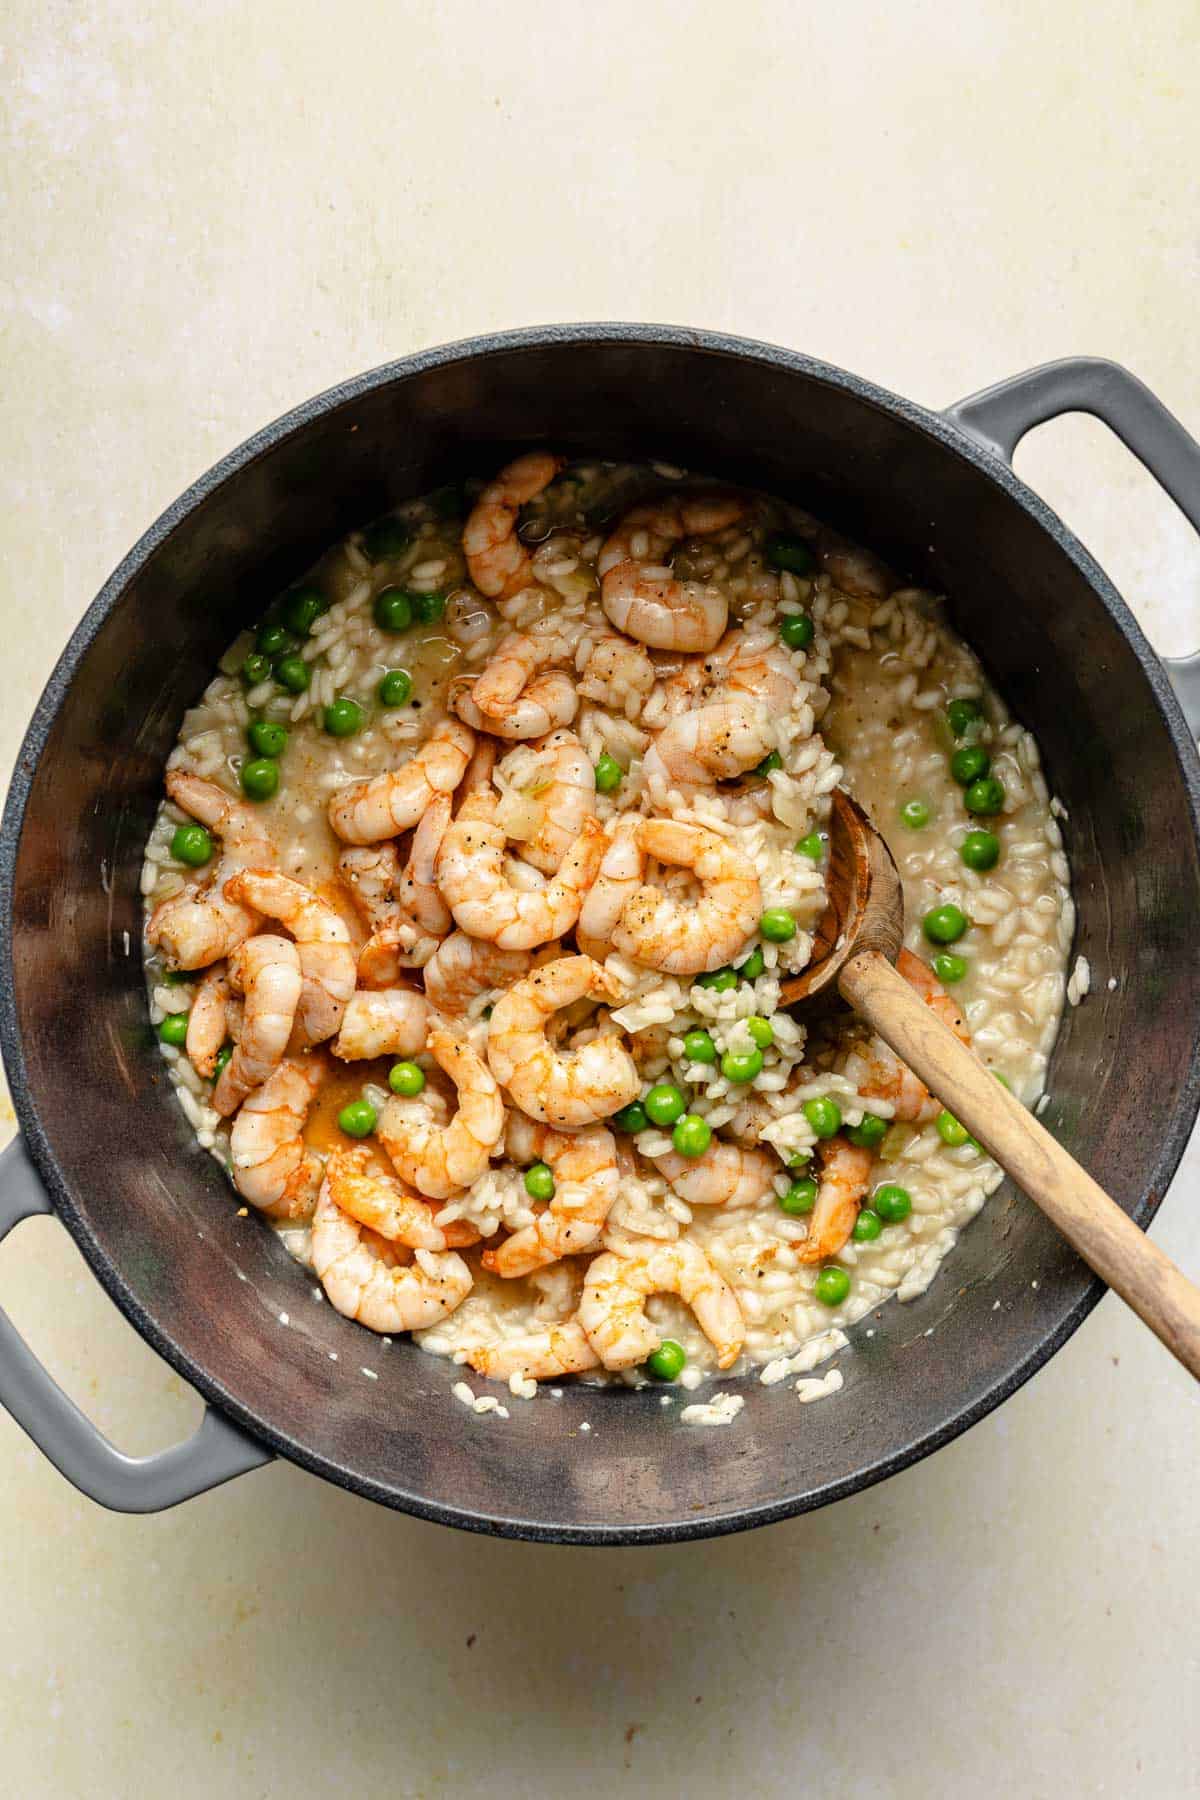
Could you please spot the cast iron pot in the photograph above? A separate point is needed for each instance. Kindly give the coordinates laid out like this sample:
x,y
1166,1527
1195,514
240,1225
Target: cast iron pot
x,y
105,1146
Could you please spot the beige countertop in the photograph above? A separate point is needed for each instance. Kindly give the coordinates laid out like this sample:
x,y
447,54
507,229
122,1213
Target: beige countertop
x,y
213,212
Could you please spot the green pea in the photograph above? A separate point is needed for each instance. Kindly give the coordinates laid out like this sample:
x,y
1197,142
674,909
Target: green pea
x,y
867,1226
223,1056
173,1029
177,977
395,687
267,738
772,760
985,797
406,1078
609,774
944,924
824,1115
831,1286
539,1182
719,980
961,715
393,610
667,1362
761,1031
358,1119
980,850
191,844
699,1047
800,1198
293,673
753,966
428,607
949,968
692,1136
260,777
798,1158
343,718
1003,1079
275,639
386,538
664,1103
892,1202
742,1066
302,608
969,764
951,1131
784,550
797,631
631,1118
915,814
812,846
870,1134
777,925
256,668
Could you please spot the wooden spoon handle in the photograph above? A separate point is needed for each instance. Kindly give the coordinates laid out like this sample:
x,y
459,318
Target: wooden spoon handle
x,y
1105,1237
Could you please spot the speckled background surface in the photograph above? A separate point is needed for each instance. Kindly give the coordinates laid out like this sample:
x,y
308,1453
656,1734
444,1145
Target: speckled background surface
x,y
210,213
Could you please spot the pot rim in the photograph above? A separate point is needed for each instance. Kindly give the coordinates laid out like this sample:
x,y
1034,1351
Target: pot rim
x,y
919,418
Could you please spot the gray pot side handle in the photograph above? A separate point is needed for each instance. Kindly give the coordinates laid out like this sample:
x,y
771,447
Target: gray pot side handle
x,y
998,417
133,1484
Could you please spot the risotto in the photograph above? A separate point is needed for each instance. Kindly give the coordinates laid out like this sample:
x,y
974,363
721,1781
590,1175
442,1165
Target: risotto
x,y
482,861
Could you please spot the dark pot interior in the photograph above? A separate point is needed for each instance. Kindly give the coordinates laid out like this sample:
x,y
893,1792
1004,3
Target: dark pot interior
x,y
154,1214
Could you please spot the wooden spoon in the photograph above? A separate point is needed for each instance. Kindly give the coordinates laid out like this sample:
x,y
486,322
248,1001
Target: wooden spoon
x,y
857,942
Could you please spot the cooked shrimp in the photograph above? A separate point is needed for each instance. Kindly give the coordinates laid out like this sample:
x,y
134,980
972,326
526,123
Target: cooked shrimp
x,y
724,1176
266,970
614,672
382,805
203,924
472,876
514,663
845,1177
649,604
767,674
584,1167
322,939
464,968
613,1308
705,933
364,1193
617,880
365,1280
443,1159
548,792
208,1021
564,1088
642,598
373,875
497,560
876,1069
418,892
539,1355
548,702
716,742
273,1168
383,1022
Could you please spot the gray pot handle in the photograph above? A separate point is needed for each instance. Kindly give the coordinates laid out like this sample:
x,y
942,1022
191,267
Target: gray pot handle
x,y
136,1484
998,418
